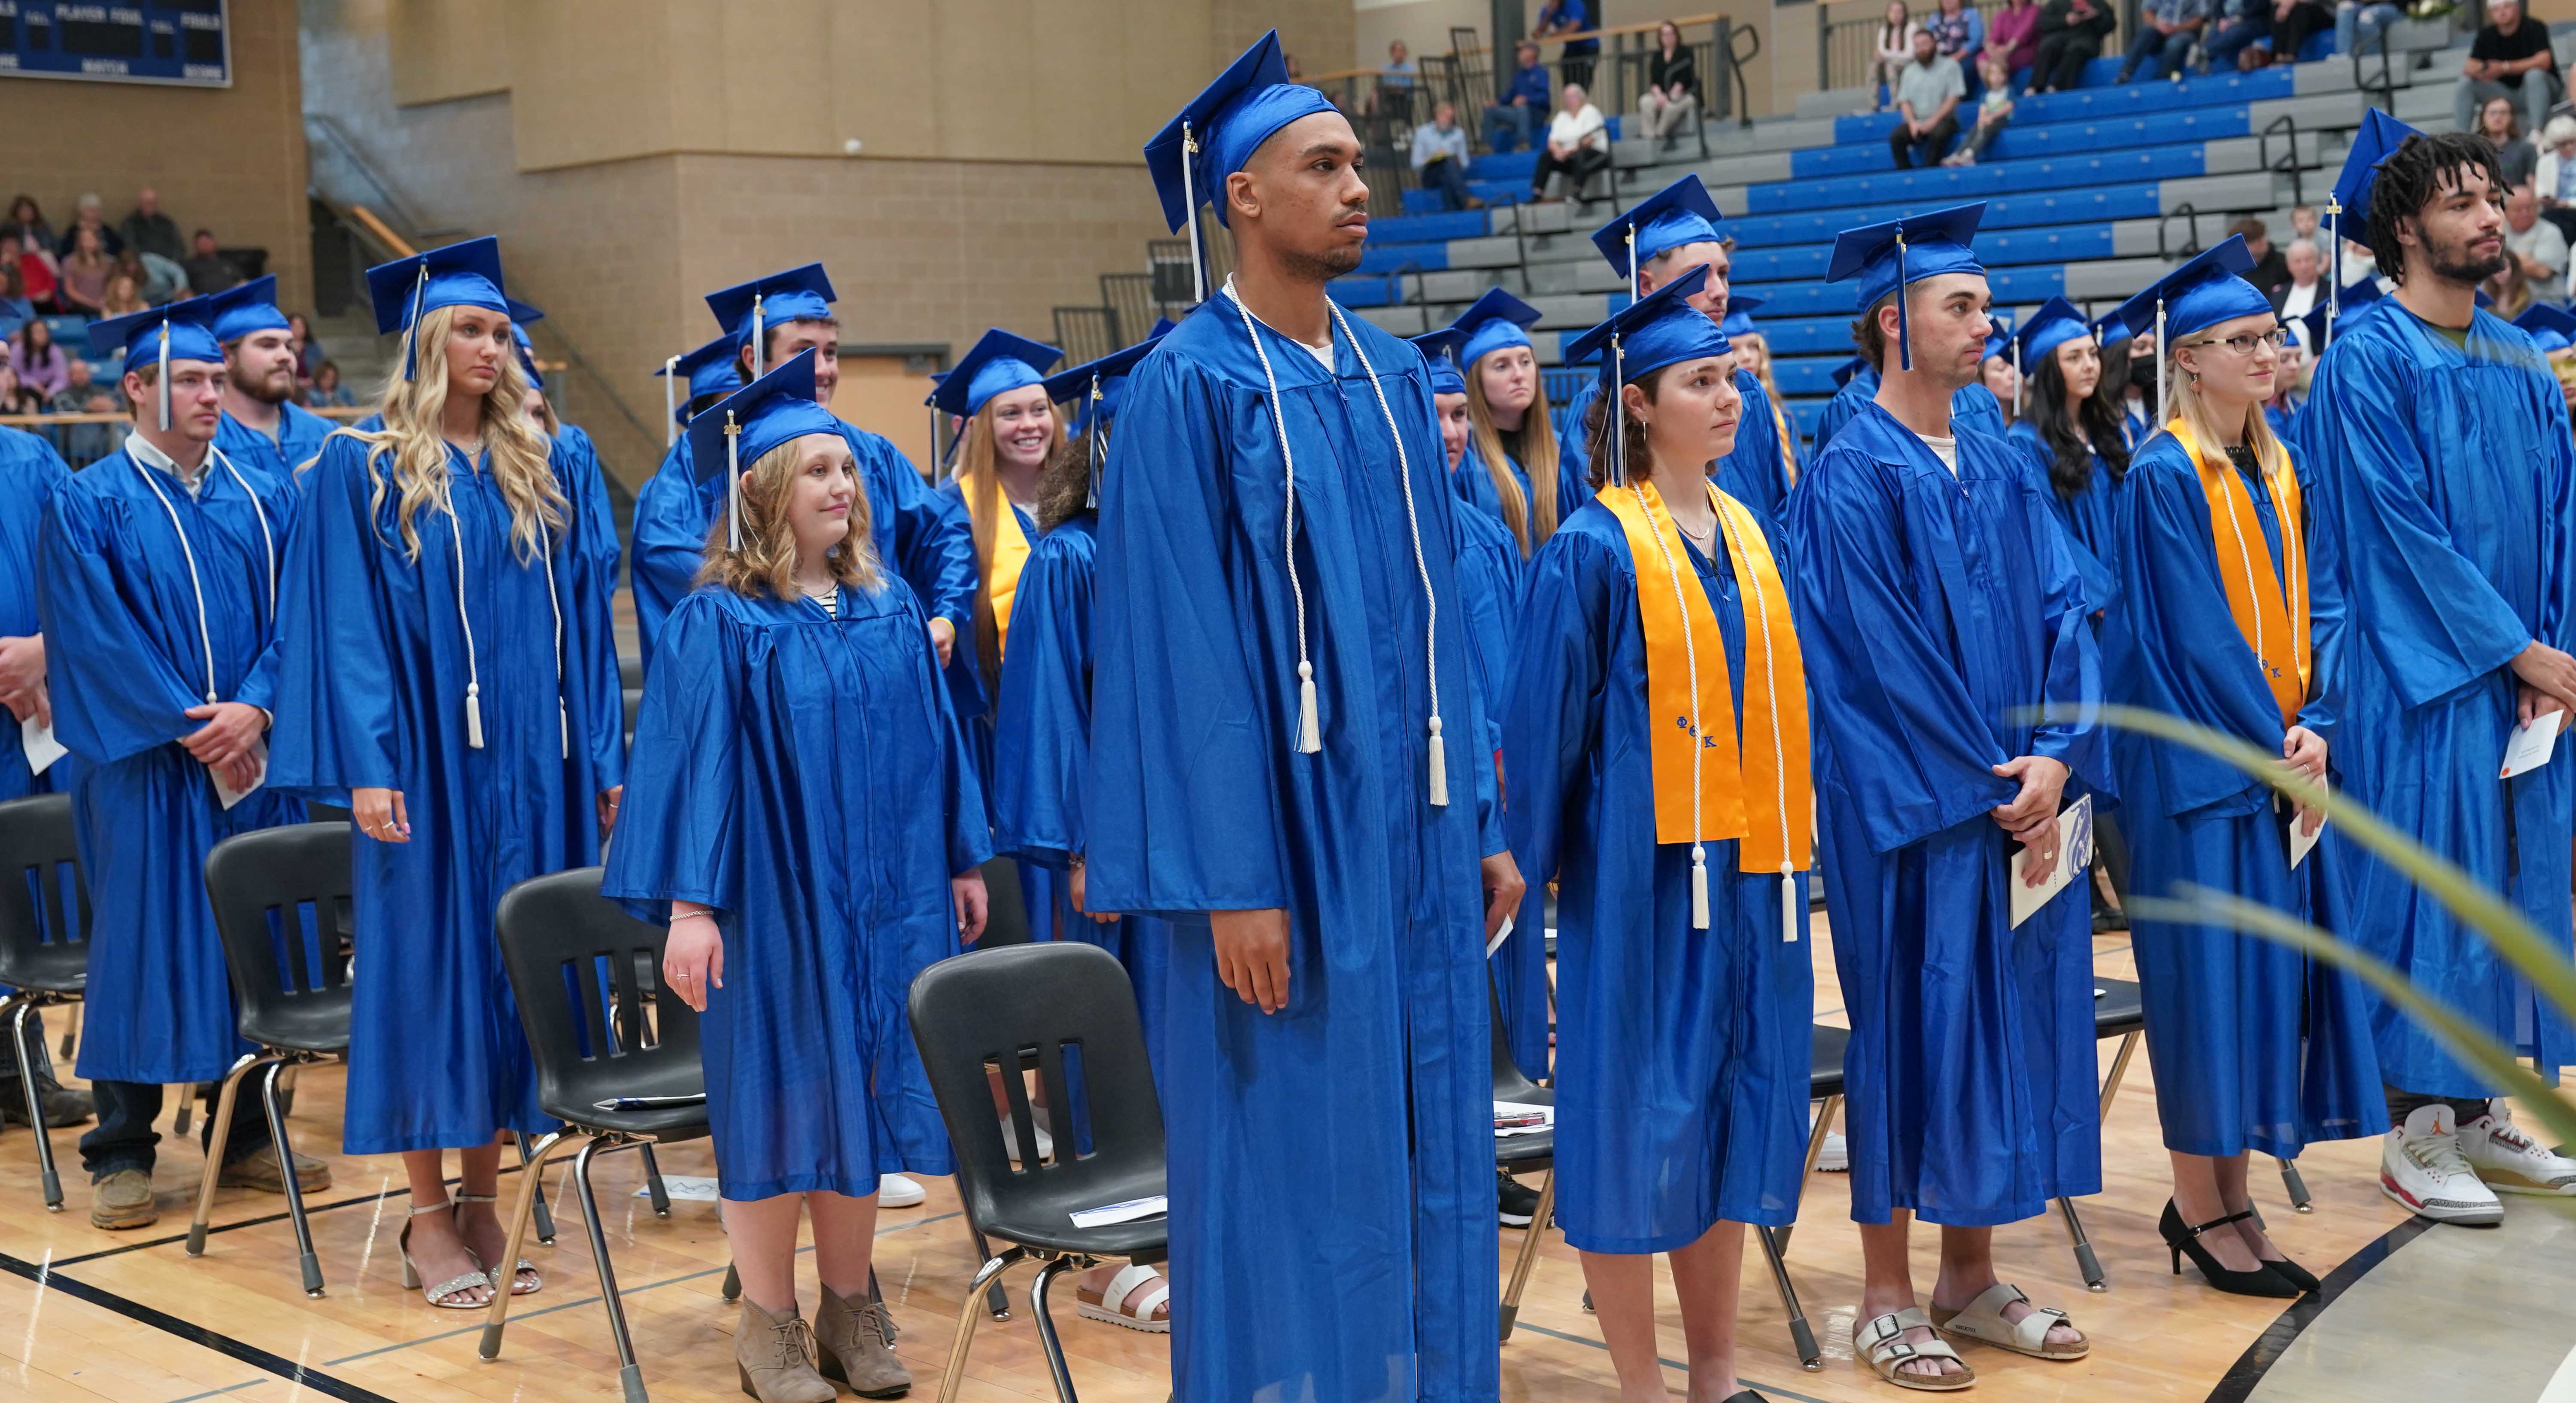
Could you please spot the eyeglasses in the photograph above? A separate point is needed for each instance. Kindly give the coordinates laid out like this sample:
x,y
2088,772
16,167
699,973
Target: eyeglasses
x,y
2277,339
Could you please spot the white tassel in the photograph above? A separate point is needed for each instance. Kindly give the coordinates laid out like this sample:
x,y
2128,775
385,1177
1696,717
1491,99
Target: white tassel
x,y
1310,735
563,724
1788,905
473,715
1699,887
1439,767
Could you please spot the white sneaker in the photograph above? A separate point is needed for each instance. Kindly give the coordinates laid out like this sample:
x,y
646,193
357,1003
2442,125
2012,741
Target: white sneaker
x,y
2509,1161
1011,1141
2422,1168
899,1191
1835,1157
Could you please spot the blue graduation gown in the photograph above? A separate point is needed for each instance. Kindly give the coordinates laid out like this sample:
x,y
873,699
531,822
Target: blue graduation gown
x,y
2086,516
1199,800
2447,476
300,432
372,676
747,783
30,470
2254,1046
1045,712
1750,472
1491,578
125,659
1942,609
1973,409
1475,487
917,535
1682,1060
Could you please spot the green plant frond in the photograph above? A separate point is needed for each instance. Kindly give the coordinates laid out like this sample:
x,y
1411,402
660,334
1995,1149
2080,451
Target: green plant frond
x,y
2199,905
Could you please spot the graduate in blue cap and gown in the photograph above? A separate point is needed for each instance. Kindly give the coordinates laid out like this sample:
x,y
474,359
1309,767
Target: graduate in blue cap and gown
x,y
1658,240
918,536
1515,476
157,586
1753,353
1278,656
1007,431
30,470
669,503
1657,744
2553,334
2232,618
1973,409
2073,432
2438,438
447,670
1944,612
262,423
802,666
573,440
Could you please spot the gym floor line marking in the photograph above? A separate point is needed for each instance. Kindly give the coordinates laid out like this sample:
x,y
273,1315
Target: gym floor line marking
x,y
2238,1383
1740,1379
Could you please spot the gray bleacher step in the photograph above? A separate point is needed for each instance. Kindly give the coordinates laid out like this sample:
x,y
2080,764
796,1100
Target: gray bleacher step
x,y
2113,277
1573,246
1589,275
1399,321
1533,219
1657,170
1468,284
1492,251
2310,112
2425,103
2204,193
2234,154
2136,238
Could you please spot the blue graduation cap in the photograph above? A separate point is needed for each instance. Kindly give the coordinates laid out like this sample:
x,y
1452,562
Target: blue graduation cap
x,y
2321,319
2109,329
1218,131
1095,387
1497,320
1888,257
2057,322
711,369
464,274
243,308
2207,289
2348,207
159,335
749,309
527,354
998,362
737,430
1439,350
1844,372
1657,330
1740,307
1680,213
1999,340
2551,328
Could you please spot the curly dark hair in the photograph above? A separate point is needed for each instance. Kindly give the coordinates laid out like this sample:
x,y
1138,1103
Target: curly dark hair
x,y
2413,176
1064,484
2070,466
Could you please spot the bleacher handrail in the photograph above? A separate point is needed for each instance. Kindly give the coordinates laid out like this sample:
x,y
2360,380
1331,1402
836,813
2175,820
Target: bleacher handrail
x,y
382,233
342,412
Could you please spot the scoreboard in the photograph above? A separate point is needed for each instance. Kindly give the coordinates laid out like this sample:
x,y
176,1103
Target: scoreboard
x,y
182,42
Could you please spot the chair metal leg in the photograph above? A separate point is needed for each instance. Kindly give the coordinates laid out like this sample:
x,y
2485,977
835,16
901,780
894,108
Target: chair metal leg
x,y
1816,1134
629,1376
2119,1069
653,1183
545,1220
71,1030
2085,1261
286,1170
1801,1335
21,1009
500,1309
994,1300
1055,1267
2296,1187
987,1277
1528,1257
187,1099
224,1098
732,1288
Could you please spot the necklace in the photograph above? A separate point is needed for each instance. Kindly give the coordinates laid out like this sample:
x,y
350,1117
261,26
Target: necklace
x,y
1703,538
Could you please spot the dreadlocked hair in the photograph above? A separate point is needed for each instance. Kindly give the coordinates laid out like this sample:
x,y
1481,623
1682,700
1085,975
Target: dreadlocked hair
x,y
2070,463
2413,176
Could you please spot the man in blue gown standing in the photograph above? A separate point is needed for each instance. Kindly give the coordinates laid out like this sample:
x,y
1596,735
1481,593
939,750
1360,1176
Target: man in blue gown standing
x,y
1278,658
1947,612
2439,440
262,423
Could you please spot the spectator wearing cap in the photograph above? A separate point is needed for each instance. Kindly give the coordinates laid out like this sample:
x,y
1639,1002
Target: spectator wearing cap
x,y
149,230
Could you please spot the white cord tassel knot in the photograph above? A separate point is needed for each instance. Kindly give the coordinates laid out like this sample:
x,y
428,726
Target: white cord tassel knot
x,y
1699,886
474,715
1310,734
1439,767
1788,903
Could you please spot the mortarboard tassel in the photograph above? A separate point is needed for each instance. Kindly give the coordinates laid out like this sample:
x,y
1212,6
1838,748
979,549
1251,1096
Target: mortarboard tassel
x,y
1439,767
670,409
411,329
1618,416
934,435
1190,198
1904,338
1699,887
733,483
164,375
474,715
1632,255
2334,278
1099,448
759,339
2164,355
1310,735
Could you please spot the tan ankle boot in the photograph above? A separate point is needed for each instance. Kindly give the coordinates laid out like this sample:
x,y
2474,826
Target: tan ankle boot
x,y
769,1351
851,1336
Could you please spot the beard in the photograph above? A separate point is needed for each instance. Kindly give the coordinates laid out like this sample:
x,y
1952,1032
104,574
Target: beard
x,y
275,388
1321,267
2453,263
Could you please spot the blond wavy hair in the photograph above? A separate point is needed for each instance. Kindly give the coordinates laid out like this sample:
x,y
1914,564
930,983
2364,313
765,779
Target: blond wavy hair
x,y
766,564
1532,522
981,483
407,459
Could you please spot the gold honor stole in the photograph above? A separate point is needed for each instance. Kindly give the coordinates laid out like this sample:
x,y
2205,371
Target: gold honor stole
x,y
2276,628
1010,556
1788,446
1761,794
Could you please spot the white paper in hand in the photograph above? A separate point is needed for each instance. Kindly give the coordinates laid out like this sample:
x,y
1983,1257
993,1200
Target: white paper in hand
x,y
2074,857
39,743
1499,937
259,776
2532,745
2303,842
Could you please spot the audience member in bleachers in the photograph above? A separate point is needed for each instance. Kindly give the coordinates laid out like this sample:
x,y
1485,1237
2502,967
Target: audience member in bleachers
x,y
1671,98
327,391
1440,158
1578,145
1575,59
16,395
2306,286
1928,92
1958,34
308,351
124,295
2235,26
2361,26
2012,34
2070,36
2271,269
2509,290
1994,111
158,279
86,265
2166,31
2515,155
84,393
2553,177
15,310
91,215
148,230
2536,244
1510,122
39,273
1392,98
2286,29
27,221
1895,50
2510,57
42,365
208,270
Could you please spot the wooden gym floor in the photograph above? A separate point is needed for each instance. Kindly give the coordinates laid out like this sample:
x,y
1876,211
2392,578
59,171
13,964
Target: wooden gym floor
x,y
128,1317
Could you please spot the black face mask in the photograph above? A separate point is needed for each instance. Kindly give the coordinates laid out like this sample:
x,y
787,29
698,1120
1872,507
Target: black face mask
x,y
2142,372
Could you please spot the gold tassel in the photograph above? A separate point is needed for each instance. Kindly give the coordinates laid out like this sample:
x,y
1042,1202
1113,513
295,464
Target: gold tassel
x,y
1310,735
473,716
1439,768
1699,887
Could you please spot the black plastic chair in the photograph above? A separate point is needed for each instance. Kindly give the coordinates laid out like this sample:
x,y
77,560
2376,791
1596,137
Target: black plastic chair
x,y
44,939
1521,1154
1006,1011
601,1027
290,985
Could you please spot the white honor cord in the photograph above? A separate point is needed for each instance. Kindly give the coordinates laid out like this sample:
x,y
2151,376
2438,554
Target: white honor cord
x,y
1789,912
188,552
554,601
1310,737
473,671
1430,601
1690,658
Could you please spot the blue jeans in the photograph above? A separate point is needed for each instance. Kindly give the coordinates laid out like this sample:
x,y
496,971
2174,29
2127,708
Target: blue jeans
x,y
1450,179
1506,119
2150,48
2360,22
2231,39
124,1137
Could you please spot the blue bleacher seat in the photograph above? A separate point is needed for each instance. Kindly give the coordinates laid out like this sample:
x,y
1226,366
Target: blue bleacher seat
x,y
1428,228
1503,165
2136,99
1388,258
2021,141
1951,184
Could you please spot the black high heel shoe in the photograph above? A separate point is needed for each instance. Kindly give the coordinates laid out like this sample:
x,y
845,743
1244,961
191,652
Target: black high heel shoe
x,y
2292,1273
2185,1242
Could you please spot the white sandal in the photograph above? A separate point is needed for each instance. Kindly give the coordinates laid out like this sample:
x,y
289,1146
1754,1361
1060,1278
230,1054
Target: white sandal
x,y
437,1295
536,1281
1882,1342
1115,1308
1983,1320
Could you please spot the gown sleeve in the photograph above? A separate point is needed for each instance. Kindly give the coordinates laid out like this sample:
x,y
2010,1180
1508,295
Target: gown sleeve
x,y
259,686
678,830
115,693
1751,472
670,545
934,543
2328,625
590,550
970,821
1554,718
2072,675
1046,707
336,728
